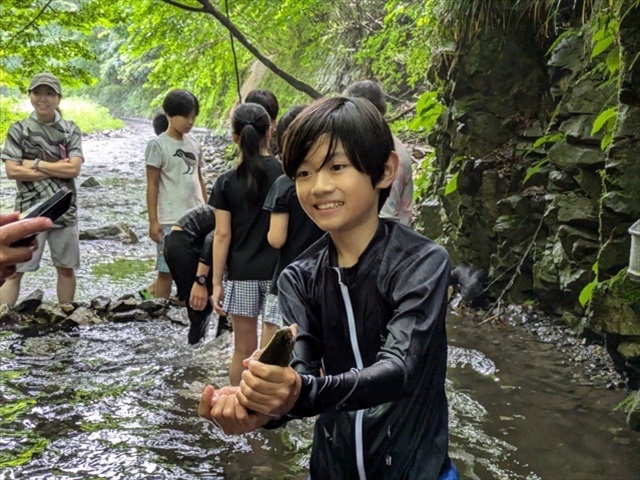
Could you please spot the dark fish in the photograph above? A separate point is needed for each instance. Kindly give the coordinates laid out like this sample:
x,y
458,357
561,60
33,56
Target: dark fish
x,y
278,351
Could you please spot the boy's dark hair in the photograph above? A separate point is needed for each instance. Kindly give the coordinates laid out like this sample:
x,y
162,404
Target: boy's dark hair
x,y
160,123
251,122
180,102
369,90
267,99
355,123
284,123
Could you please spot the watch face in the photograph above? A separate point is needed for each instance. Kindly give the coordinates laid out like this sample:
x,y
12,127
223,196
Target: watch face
x,y
201,279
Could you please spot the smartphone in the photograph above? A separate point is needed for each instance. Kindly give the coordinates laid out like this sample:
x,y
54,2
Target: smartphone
x,y
51,208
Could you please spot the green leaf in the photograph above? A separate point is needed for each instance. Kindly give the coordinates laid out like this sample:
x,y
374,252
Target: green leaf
x,y
587,292
550,138
613,60
535,168
603,119
601,45
452,184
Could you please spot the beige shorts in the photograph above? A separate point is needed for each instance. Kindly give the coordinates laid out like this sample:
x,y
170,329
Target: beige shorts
x,y
64,247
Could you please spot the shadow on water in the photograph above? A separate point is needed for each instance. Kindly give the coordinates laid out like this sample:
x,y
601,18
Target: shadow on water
x,y
109,401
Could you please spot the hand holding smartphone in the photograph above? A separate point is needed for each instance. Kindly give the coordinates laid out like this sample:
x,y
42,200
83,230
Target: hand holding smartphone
x,y
51,208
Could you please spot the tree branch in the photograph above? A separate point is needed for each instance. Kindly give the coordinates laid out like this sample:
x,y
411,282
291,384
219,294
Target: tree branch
x,y
211,10
29,24
184,7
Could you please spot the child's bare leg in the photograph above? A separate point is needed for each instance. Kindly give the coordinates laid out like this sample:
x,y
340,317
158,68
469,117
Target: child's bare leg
x,y
163,285
245,342
10,291
66,287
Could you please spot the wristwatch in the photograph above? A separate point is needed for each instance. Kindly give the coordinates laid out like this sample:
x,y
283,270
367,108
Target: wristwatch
x,y
35,164
201,279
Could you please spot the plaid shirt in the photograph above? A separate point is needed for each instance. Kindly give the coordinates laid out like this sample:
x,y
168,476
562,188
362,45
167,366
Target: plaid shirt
x,y
29,139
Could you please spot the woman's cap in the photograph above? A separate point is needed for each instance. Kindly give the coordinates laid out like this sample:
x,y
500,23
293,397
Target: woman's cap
x,y
47,79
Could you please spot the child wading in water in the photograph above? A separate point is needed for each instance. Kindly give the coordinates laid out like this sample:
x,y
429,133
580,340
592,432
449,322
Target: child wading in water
x,y
370,303
174,179
240,242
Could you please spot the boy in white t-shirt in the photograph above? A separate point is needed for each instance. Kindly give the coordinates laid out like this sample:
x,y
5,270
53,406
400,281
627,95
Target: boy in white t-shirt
x,y
174,178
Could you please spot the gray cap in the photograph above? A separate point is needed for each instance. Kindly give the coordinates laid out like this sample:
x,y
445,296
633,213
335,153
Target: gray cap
x,y
48,79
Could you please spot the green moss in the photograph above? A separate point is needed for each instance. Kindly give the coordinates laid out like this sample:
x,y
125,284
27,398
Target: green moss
x,y
621,287
14,459
123,268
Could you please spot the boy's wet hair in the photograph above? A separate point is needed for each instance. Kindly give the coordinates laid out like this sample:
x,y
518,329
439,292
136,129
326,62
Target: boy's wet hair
x,y
267,99
251,122
283,124
369,90
180,102
353,122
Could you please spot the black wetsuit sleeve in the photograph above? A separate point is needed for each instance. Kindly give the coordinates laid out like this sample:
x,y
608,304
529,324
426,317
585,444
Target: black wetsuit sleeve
x,y
417,288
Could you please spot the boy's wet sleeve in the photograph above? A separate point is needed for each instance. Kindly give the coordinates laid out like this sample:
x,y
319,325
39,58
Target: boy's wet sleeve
x,y
417,288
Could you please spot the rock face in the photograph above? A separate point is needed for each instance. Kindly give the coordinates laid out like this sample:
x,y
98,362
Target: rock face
x,y
539,188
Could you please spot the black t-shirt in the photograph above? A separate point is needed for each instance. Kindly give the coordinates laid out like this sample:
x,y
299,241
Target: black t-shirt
x,y
301,231
250,255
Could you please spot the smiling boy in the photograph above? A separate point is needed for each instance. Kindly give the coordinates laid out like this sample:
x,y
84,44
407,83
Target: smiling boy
x,y
369,299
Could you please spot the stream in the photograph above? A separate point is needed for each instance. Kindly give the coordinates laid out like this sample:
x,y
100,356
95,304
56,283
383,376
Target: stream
x,y
115,401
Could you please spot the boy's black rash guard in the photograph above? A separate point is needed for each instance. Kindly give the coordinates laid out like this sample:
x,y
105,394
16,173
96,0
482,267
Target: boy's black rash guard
x,y
382,405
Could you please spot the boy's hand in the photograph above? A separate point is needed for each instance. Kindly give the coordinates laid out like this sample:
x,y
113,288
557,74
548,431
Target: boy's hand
x,y
269,389
155,231
198,297
221,407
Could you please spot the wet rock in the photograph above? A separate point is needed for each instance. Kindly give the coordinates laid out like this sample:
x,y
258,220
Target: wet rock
x,y
129,316
177,316
90,183
50,313
119,231
100,304
154,306
84,316
124,305
8,316
31,303
69,308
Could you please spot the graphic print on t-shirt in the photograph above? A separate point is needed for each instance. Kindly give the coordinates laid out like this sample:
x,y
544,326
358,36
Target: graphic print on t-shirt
x,y
188,158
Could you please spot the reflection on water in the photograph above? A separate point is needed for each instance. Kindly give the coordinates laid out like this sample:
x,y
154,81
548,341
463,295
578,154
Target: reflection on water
x,y
109,401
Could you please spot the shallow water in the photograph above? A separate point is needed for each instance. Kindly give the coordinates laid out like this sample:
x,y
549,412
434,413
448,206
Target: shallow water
x,y
108,401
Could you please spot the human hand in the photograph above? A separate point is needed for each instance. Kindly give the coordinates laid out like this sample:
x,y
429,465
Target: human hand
x,y
268,389
11,230
217,298
155,231
198,297
221,407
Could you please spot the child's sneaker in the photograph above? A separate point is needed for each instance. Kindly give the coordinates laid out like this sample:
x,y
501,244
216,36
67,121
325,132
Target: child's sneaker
x,y
145,294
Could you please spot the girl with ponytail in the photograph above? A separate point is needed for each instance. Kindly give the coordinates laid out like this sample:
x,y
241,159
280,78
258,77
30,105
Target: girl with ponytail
x,y
240,244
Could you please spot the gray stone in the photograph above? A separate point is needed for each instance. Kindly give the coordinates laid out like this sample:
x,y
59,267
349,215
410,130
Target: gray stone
x,y
100,303
50,313
31,303
124,305
179,316
613,314
559,181
573,208
154,306
119,231
568,156
129,316
90,183
8,316
84,316
579,127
